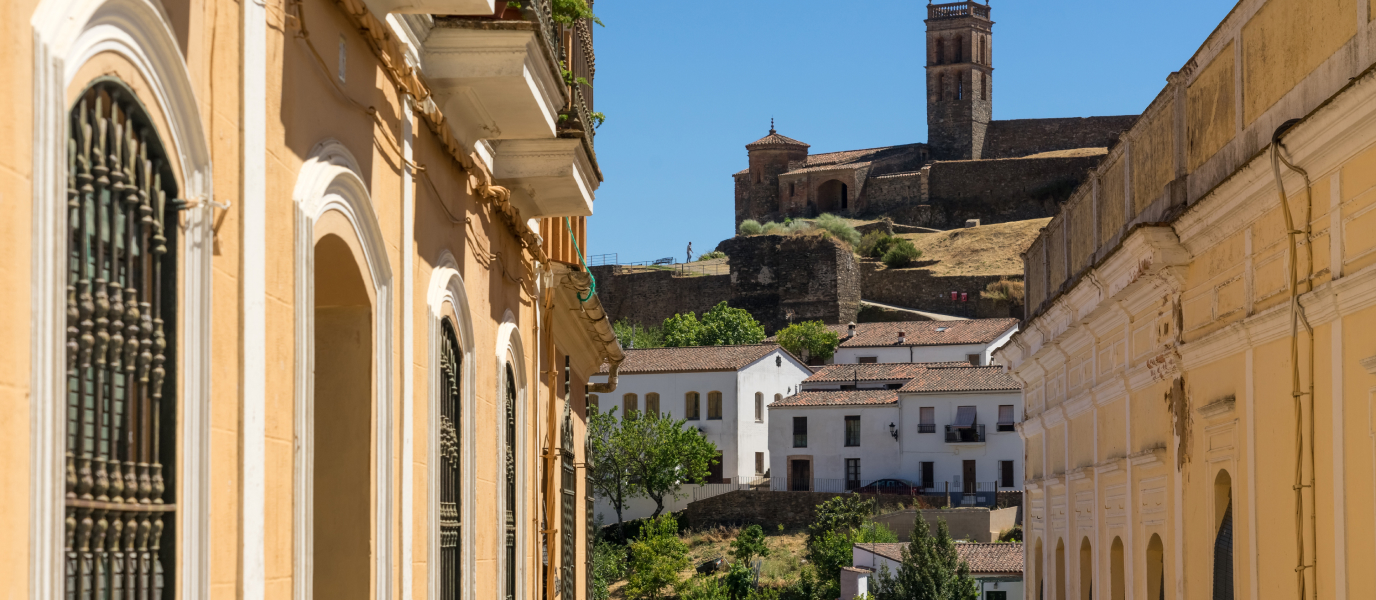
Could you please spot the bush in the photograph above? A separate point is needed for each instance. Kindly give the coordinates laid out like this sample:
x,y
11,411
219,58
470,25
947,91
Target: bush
x,y
638,336
714,254
682,330
901,254
1011,535
749,543
751,227
809,339
838,228
721,326
657,556
608,565
1004,290
875,244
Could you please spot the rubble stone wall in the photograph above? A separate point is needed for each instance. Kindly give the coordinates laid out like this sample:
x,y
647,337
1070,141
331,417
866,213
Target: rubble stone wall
x,y
786,279
647,298
918,288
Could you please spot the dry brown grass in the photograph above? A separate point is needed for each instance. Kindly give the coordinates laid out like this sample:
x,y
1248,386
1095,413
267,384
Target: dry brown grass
x,y
984,250
786,551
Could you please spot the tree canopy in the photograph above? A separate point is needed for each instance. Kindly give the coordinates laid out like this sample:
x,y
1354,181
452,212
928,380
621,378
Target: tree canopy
x,y
809,339
931,569
721,326
662,455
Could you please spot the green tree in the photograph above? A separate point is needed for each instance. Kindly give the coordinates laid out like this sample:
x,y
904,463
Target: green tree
x,y
749,543
930,570
726,326
608,565
720,326
609,463
809,339
901,254
662,456
682,330
657,556
638,336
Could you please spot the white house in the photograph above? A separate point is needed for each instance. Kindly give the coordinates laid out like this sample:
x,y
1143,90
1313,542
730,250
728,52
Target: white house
x,y
936,426
723,391
970,340
996,568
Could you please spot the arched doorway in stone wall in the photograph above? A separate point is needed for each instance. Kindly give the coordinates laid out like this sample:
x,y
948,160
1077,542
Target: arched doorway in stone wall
x,y
832,196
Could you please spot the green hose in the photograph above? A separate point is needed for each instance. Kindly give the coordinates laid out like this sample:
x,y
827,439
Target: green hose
x,y
593,288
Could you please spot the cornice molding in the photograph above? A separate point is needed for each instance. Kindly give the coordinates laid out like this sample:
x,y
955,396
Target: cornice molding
x,y
1147,458
1218,407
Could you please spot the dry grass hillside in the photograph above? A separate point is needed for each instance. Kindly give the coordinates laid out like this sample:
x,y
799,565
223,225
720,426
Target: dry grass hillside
x,y
985,250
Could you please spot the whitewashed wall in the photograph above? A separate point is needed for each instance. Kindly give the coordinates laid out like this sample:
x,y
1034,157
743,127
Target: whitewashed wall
x,y
1013,589
948,458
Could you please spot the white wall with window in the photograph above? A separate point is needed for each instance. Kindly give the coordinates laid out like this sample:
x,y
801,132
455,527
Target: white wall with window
x,y
723,399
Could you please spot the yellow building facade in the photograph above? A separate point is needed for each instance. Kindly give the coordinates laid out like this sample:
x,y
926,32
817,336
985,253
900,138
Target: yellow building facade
x,y
294,304
1199,349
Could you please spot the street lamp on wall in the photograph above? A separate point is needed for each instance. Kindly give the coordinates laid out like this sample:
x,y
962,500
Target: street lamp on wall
x,y
893,430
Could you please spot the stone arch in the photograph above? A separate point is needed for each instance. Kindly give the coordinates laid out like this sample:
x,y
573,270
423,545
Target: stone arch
x,y
447,298
1223,536
1060,569
1156,568
832,196
959,53
67,34
1039,571
332,202
1086,570
511,358
1117,578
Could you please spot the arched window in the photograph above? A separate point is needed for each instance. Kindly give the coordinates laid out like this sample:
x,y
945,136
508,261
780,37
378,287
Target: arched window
x,y
1060,569
940,51
1086,570
1039,573
1156,569
630,406
791,190
831,195
1117,581
984,86
1223,538
120,432
451,464
714,406
652,404
959,50
759,407
983,59
941,87
510,513
692,406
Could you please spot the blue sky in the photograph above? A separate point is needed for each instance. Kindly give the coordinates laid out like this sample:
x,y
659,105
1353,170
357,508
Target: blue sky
x,y
685,84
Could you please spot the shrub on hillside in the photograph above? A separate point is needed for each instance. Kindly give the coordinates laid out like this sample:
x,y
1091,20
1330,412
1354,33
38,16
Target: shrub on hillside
x,y
751,227
657,556
901,254
838,228
875,244
1004,290
714,254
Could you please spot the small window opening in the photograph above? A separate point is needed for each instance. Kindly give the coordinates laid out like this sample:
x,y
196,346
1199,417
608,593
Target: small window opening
x,y
959,53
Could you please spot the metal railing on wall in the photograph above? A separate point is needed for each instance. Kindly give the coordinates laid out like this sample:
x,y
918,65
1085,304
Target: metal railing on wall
x,y
708,490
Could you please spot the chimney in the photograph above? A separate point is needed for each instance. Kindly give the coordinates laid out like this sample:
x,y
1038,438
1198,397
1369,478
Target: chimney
x,y
902,337
850,331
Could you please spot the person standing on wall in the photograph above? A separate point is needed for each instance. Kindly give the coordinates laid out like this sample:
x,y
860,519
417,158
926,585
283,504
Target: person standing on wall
x,y
690,252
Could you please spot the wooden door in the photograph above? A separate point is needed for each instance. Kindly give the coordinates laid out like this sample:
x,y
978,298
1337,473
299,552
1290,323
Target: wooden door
x,y
800,479
968,475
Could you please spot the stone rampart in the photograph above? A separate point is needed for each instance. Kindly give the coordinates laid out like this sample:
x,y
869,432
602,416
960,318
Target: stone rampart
x,y
998,191
1025,137
786,279
916,287
649,297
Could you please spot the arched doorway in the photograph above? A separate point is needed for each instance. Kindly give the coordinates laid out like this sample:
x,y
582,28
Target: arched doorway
x,y
1040,572
1223,537
1156,569
1060,569
343,419
1117,583
1086,570
832,195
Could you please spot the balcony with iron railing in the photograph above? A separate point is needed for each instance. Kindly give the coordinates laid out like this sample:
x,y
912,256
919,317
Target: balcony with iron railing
x,y
957,9
973,434
926,427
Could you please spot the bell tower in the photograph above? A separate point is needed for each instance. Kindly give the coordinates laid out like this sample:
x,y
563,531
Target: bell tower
x,y
960,76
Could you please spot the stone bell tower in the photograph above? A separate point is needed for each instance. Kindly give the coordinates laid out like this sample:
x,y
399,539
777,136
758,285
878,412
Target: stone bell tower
x,y
960,75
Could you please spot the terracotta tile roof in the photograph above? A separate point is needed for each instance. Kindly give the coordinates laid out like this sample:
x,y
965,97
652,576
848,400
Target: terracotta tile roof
x,y
835,398
774,140
924,333
692,358
961,379
874,372
990,559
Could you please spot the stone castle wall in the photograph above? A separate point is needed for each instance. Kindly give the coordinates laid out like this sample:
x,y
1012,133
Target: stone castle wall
x,y
787,279
918,288
649,297
1025,137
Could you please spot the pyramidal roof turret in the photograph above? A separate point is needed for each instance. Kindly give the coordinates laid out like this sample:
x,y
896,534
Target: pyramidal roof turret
x,y
774,140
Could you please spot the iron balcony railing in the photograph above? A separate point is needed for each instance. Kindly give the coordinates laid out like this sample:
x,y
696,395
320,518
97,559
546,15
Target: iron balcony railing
x,y
709,490
1006,427
926,427
957,9
973,434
